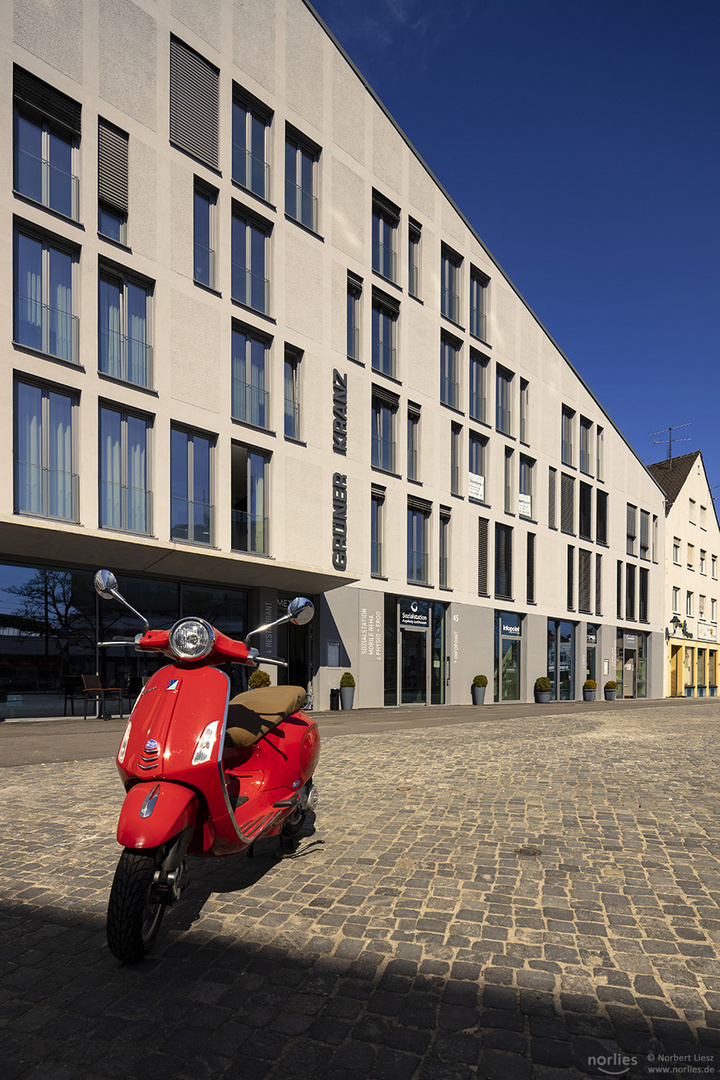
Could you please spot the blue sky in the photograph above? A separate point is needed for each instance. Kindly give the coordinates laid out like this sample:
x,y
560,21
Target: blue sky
x,y
581,140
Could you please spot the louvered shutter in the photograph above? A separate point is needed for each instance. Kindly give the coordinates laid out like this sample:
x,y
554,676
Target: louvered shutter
x,y
551,498
584,575
44,100
503,561
567,499
571,578
482,557
194,95
598,584
531,568
113,166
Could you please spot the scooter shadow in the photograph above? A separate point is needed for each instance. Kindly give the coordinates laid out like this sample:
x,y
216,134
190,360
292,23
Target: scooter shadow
x,y
237,873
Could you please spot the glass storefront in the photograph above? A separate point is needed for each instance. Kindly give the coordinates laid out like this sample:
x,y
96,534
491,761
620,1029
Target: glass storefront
x,y
591,655
51,619
508,655
415,660
561,659
631,664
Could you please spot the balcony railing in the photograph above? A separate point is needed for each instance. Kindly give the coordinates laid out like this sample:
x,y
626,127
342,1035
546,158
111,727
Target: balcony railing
x,y
417,566
477,407
478,323
385,261
413,279
443,572
450,304
124,507
191,521
250,171
376,567
301,205
46,329
383,357
204,266
249,403
45,183
449,392
45,492
126,358
249,533
250,289
292,419
383,454
353,342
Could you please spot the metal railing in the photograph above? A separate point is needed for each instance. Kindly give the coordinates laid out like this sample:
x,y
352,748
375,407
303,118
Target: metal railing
x,y
301,205
417,566
192,521
45,492
249,403
124,507
126,358
46,329
38,179
383,453
204,265
249,533
385,261
249,288
383,357
250,171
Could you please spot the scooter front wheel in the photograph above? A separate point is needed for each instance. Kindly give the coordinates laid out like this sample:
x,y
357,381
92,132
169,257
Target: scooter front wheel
x,y
134,911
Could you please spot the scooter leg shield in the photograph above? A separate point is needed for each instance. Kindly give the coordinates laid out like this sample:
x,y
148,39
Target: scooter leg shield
x,y
154,812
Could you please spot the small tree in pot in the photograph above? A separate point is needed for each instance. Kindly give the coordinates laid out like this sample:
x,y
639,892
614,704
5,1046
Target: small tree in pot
x,y
347,690
610,690
589,688
478,689
543,687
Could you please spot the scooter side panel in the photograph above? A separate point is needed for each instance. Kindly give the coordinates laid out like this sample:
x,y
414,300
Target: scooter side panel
x,y
155,812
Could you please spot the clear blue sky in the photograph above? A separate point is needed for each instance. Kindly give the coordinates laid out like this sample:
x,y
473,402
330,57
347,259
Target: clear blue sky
x,y
581,139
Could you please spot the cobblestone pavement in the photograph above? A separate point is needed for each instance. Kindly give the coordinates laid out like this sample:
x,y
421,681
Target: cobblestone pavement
x,y
524,898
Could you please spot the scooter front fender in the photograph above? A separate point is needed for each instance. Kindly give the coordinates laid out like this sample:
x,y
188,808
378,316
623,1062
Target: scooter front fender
x,y
155,812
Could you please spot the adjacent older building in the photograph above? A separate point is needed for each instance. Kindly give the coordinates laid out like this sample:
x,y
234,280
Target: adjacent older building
x,y
692,588
251,348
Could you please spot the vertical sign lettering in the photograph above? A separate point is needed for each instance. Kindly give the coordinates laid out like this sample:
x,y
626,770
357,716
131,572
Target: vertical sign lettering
x,y
339,412
339,522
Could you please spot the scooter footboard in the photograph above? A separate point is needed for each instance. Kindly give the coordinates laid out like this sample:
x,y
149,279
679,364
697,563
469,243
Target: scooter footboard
x,y
154,812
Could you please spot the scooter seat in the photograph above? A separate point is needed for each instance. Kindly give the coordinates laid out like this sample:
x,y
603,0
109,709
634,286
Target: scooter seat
x,y
256,712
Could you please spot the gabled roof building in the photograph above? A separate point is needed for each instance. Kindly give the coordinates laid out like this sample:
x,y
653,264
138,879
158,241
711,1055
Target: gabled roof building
x,y
254,349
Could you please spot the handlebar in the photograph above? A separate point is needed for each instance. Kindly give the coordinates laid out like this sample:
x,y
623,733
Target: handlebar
x,y
270,660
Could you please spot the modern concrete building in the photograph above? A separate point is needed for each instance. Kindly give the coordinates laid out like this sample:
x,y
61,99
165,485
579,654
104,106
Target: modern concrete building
x,y
254,349
692,588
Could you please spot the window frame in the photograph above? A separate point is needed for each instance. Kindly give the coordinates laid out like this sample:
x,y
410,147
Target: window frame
x,y
48,244
450,284
127,524
292,376
385,227
250,238
255,112
450,359
259,404
503,400
479,293
205,220
46,443
190,437
305,152
114,275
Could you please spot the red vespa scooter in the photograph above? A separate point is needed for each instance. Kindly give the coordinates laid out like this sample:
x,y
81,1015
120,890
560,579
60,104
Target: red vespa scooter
x,y
204,775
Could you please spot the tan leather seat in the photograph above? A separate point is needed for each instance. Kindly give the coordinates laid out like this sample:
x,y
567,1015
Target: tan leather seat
x,y
252,714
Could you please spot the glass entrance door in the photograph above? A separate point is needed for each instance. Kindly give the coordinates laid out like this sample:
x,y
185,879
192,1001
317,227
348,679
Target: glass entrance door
x,y
413,666
510,670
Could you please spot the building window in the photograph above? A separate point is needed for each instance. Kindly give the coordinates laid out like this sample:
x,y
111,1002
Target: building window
x,y
413,442
570,578
450,265
530,568
654,538
503,561
584,580
293,359
449,371
478,304
630,591
601,517
568,419
483,534
691,556
703,516
191,502
418,519
250,260
124,350
503,400
524,411
194,99
509,486
414,235
385,223
444,550
619,590
455,439
676,551
44,296
477,402
689,604
527,472
552,497
385,314
249,378
250,149
703,561
46,138
631,529
377,509
713,611
691,511
598,584
125,500
701,607
204,235
384,412
354,296
643,597
567,503
477,466
45,480
113,171
676,600
713,566
585,512
302,160
249,498
600,448
644,534
585,430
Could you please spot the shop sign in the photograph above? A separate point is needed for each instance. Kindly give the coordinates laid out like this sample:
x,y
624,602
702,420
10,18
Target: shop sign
x,y
415,613
476,486
339,522
591,635
339,412
630,641
525,505
509,624
706,632
370,634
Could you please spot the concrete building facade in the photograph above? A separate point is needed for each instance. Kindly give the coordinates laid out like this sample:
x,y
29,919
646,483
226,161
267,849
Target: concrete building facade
x,y
254,349
692,587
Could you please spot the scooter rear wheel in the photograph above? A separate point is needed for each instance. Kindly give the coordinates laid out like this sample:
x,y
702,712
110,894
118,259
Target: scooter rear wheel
x,y
134,910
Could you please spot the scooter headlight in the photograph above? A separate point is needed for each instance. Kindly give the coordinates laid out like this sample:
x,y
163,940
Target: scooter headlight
x,y
192,639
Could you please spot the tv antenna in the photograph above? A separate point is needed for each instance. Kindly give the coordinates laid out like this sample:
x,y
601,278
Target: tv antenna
x,y
669,439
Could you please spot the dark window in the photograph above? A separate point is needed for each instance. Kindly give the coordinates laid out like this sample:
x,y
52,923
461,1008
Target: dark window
x,y
584,580
301,180
450,264
503,561
598,584
47,133
384,412
112,181
125,498
250,246
124,349
418,518
191,504
44,296
354,295
250,130
478,304
249,498
385,314
249,400
449,368
483,528
601,507
552,498
385,222
644,591
567,503
293,359
531,568
629,591
444,550
377,506
571,577
45,480
204,228
585,525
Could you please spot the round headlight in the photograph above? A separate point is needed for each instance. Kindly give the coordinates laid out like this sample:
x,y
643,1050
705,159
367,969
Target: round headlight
x,y
191,639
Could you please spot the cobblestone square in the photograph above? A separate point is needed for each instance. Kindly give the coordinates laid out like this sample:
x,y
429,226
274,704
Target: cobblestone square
x,y
527,897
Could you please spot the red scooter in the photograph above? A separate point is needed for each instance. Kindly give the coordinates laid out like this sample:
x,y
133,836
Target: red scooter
x,y
203,774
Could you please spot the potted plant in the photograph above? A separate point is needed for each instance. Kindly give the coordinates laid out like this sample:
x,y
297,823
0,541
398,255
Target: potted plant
x,y
258,679
347,690
610,690
478,689
543,687
589,688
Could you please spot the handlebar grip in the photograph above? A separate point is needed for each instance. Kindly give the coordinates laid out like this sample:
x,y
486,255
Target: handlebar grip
x,y
270,660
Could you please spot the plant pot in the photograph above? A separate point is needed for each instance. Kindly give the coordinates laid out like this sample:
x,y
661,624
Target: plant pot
x,y
610,695
589,695
478,694
542,697
347,694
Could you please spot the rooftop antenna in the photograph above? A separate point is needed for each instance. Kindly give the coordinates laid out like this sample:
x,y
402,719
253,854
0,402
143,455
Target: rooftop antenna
x,y
669,439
